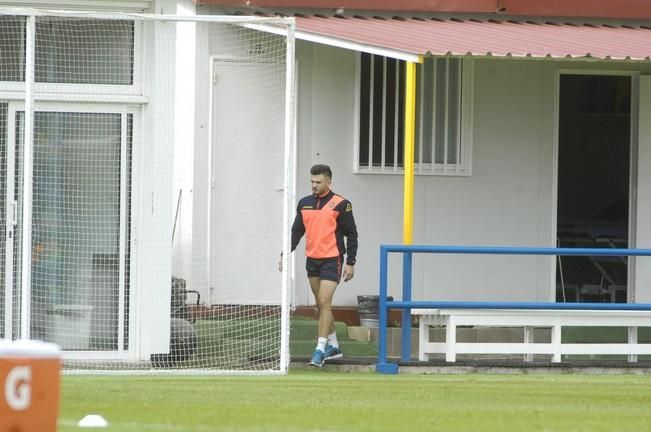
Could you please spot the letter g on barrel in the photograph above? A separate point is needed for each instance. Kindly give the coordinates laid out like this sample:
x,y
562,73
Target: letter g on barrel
x,y
18,392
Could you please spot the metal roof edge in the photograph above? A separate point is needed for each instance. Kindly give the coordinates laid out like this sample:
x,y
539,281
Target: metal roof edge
x,y
361,47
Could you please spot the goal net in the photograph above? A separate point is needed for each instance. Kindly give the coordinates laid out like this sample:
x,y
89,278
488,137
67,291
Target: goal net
x,y
146,181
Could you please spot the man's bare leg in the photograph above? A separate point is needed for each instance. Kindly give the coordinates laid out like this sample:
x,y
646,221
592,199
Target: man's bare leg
x,y
324,300
315,285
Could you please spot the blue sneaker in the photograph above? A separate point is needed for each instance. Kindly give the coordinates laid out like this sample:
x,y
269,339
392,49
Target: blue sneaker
x,y
332,353
317,358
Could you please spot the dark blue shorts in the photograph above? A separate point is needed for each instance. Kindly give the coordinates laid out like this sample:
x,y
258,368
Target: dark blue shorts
x,y
326,268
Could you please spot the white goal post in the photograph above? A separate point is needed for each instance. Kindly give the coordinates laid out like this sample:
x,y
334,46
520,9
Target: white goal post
x,y
147,169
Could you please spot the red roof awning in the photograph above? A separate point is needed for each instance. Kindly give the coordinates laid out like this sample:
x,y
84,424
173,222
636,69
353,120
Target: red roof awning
x,y
627,9
410,39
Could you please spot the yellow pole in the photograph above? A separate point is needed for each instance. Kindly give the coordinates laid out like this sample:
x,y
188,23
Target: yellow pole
x,y
410,133
408,228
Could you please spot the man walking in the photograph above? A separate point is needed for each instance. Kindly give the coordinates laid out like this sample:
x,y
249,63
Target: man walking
x,y
325,218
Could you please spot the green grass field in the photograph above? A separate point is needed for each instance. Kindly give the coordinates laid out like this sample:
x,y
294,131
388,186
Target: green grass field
x,y
322,400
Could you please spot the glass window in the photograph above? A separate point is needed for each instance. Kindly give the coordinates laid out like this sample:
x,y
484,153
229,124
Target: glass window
x,y
69,51
76,212
84,51
75,223
12,48
439,147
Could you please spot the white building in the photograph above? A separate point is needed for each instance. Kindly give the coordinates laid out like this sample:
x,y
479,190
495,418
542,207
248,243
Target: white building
x,y
535,127
524,139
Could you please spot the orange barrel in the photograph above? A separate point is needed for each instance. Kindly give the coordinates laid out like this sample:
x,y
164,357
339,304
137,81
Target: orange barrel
x,y
29,386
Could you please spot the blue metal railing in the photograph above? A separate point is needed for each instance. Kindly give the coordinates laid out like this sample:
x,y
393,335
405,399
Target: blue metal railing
x,y
406,304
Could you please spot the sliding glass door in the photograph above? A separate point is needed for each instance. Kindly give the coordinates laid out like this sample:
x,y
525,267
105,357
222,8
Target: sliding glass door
x,y
77,288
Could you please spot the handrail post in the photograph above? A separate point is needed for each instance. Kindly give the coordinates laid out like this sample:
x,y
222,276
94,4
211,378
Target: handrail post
x,y
406,313
382,336
383,366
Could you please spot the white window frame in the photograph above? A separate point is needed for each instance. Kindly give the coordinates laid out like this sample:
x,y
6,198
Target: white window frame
x,y
112,5
115,99
126,185
73,92
464,147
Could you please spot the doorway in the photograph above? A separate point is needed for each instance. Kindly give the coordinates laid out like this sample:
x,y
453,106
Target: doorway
x,y
246,195
594,170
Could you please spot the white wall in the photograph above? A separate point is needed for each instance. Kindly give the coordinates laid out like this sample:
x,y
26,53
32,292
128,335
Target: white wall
x,y
185,129
198,257
152,205
508,200
643,265
326,93
505,202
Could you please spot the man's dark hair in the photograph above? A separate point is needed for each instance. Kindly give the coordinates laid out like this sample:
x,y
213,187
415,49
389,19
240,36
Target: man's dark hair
x,y
321,169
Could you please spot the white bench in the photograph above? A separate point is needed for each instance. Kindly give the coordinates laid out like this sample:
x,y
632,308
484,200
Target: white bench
x,y
529,319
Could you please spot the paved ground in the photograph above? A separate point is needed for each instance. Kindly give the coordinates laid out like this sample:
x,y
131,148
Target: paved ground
x,y
486,367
